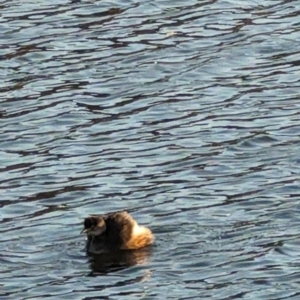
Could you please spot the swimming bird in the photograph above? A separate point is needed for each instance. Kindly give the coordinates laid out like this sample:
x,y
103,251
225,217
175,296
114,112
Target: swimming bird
x,y
115,231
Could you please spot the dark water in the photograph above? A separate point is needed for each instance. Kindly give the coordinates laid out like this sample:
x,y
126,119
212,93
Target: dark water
x,y
186,113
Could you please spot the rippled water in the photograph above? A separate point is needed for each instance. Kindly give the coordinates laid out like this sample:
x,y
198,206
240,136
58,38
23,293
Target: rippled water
x,y
185,113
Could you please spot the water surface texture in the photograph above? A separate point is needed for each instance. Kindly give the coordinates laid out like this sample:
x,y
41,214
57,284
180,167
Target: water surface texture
x,y
185,113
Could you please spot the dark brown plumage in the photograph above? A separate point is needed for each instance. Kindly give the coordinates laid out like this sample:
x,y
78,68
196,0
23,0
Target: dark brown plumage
x,y
115,231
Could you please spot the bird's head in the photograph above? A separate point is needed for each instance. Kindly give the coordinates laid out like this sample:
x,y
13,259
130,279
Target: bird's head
x,y
94,226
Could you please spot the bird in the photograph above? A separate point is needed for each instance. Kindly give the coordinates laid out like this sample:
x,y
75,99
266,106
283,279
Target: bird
x,y
115,231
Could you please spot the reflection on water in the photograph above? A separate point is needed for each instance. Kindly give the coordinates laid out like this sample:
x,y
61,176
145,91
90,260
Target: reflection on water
x,y
106,263
182,112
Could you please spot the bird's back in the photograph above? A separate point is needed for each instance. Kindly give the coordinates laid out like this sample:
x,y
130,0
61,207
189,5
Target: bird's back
x,y
119,227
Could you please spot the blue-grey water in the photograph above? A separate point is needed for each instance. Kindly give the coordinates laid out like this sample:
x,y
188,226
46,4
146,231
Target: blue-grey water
x,y
185,113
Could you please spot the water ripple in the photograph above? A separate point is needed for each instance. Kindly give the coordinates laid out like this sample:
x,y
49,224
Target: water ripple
x,y
185,114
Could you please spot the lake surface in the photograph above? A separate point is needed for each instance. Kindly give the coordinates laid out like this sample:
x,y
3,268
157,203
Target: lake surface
x,y
185,113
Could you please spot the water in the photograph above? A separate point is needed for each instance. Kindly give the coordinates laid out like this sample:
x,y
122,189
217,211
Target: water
x,y
185,113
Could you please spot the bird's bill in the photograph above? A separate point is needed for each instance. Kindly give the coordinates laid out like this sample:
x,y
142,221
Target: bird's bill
x,y
84,231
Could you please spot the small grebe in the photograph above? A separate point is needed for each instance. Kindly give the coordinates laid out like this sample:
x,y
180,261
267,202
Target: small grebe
x,y
115,231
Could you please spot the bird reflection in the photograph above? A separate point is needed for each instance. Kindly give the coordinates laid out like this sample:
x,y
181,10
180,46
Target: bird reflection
x,y
116,261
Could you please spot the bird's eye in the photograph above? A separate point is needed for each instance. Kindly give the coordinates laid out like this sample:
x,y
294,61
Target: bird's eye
x,y
87,223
